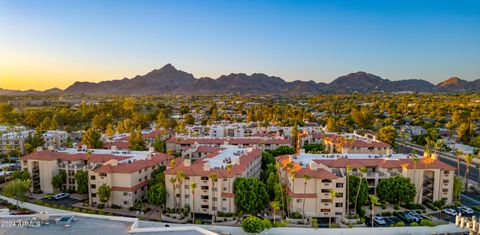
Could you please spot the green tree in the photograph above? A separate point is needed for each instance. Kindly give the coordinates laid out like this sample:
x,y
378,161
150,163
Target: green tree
x,y
81,178
468,161
136,140
362,171
396,190
250,195
457,188
17,189
59,180
354,183
387,134
374,202
91,138
157,194
252,224
159,145
189,120
21,175
33,141
275,206
104,192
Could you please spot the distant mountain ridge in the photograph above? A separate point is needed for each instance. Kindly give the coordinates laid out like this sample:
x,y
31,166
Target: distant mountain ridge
x,y
169,80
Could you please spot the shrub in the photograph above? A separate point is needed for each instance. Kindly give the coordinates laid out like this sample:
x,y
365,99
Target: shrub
x,y
333,225
396,207
314,223
252,224
399,224
384,206
101,206
296,215
280,223
387,213
38,202
62,207
439,203
267,224
426,222
85,211
76,209
414,224
361,212
115,206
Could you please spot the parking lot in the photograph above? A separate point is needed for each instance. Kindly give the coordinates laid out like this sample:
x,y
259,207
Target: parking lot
x,y
68,202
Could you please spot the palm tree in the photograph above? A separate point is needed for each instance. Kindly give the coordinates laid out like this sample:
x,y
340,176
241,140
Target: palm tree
x,y
415,161
333,195
193,186
275,206
374,202
180,178
229,171
306,178
468,160
348,171
172,181
5,169
214,177
362,170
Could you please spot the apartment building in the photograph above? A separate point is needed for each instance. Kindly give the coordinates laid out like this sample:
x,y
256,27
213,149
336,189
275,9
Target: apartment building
x,y
352,143
180,143
126,172
211,196
433,179
121,142
16,140
127,178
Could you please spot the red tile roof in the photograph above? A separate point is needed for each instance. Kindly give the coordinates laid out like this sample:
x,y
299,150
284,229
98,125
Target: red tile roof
x,y
196,167
354,143
232,141
300,195
48,155
130,189
137,165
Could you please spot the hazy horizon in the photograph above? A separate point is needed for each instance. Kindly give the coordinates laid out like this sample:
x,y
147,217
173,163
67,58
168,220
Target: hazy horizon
x,y
48,44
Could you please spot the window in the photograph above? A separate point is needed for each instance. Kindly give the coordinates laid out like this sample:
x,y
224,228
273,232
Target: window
x,y
445,181
326,200
204,187
204,206
338,204
125,202
204,197
93,186
92,177
326,181
187,196
214,189
339,185
94,195
224,199
445,190
187,186
125,193
299,200
204,178
325,210
339,194
325,190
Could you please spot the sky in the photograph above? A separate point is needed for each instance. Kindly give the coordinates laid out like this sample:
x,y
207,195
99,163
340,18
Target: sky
x,y
45,44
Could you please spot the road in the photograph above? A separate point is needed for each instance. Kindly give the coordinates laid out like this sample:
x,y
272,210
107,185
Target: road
x,y
450,160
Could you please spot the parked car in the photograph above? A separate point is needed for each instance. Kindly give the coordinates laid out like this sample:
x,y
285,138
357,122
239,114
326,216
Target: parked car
x,y
49,195
61,196
466,210
406,217
416,217
379,220
22,212
451,212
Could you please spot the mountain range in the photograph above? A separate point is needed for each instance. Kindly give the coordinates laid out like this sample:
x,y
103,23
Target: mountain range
x,y
169,80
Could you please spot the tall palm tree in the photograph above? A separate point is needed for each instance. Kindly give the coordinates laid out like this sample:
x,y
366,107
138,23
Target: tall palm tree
x,y
374,202
458,153
468,160
348,172
278,166
214,177
180,178
306,178
275,206
229,171
362,170
173,180
415,161
333,195
193,186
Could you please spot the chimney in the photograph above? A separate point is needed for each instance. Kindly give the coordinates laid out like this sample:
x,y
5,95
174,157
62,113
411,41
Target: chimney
x,y
187,162
236,161
84,147
206,166
313,166
151,149
149,156
290,158
114,147
114,162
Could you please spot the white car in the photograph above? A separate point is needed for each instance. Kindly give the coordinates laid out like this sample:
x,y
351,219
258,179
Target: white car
x,y
61,196
379,220
451,212
466,210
